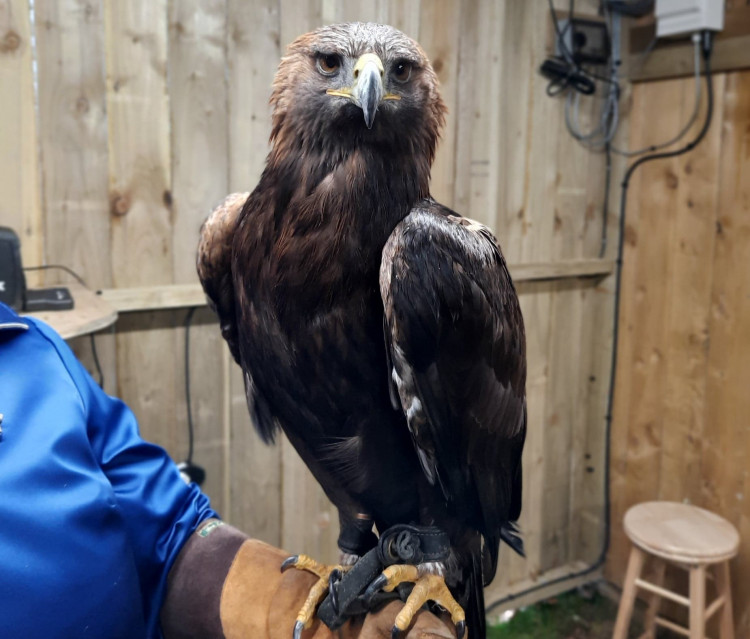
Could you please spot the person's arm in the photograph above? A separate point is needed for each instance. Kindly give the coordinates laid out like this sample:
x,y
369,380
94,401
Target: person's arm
x,y
158,510
225,585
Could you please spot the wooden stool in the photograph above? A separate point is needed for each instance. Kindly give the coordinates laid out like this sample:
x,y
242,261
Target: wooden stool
x,y
692,538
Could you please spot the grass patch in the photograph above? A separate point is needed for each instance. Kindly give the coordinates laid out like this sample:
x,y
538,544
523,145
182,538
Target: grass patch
x,y
568,616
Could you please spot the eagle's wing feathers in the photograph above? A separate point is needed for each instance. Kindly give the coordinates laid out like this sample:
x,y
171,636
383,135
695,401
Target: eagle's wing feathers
x,y
456,340
214,264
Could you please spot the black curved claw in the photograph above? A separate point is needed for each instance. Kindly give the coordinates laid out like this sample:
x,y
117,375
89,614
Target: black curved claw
x,y
376,585
298,628
333,579
395,632
289,562
461,629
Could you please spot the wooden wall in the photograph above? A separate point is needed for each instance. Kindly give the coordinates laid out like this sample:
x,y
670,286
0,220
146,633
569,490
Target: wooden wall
x,y
681,427
137,117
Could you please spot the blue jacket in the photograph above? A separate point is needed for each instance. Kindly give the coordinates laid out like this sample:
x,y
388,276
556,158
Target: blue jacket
x,y
91,516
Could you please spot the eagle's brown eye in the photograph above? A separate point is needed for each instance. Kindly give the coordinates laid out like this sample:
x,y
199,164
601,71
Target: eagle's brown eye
x,y
401,71
328,63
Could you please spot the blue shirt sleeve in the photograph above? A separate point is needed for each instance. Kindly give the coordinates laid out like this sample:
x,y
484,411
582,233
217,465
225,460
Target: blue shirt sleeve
x,y
158,509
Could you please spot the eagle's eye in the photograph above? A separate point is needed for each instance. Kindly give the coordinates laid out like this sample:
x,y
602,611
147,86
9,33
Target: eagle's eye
x,y
328,63
401,71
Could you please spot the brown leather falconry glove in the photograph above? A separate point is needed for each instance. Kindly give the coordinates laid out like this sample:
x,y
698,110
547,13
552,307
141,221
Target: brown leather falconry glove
x,y
225,585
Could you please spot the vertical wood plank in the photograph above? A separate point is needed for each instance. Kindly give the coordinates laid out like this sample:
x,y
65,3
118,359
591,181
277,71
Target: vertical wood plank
x,y
688,296
562,414
73,136
310,521
298,17
20,206
139,158
405,16
200,172
656,197
480,78
726,448
253,51
623,400
73,161
140,199
439,37
255,478
589,451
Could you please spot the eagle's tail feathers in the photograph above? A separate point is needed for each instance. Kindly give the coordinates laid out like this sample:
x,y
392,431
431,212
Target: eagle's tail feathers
x,y
510,535
475,619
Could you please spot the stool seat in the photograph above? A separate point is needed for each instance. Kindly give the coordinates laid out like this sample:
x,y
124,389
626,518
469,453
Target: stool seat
x,y
690,538
681,533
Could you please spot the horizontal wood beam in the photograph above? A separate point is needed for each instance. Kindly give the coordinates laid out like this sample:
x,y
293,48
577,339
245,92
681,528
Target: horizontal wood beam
x,y
153,298
672,58
554,588
561,270
676,60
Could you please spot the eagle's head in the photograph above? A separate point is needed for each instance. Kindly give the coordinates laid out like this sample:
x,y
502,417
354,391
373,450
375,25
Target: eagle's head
x,y
356,85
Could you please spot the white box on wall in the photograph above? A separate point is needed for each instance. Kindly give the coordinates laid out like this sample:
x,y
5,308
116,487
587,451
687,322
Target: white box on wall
x,y
674,17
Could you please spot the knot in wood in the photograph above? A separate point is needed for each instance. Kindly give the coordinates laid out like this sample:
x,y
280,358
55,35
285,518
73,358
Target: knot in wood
x,y
120,204
10,42
82,105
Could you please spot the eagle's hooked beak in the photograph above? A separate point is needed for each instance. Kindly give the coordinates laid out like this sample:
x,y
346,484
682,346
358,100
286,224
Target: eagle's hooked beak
x,y
367,91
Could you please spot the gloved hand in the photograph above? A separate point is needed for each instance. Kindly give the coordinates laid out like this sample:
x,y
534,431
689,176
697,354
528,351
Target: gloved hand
x,y
227,586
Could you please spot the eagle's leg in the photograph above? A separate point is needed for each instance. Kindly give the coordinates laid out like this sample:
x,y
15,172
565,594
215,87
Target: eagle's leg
x,y
429,585
317,593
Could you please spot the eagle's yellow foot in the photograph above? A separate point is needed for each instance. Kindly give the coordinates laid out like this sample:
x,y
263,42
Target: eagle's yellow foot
x,y
326,575
427,587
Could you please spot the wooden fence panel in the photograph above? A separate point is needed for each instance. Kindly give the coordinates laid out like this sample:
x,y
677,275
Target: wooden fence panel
x,y
680,428
20,206
142,250
149,112
199,179
73,134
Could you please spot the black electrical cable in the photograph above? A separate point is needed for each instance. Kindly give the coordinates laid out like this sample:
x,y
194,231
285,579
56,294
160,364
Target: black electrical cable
x,y
97,364
188,400
79,279
564,71
191,471
707,45
61,267
634,9
605,204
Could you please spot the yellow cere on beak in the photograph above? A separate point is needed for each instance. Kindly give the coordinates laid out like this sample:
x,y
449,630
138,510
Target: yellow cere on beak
x,y
367,89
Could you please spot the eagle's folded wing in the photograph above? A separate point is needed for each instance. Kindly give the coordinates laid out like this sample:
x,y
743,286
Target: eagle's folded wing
x,y
456,341
214,264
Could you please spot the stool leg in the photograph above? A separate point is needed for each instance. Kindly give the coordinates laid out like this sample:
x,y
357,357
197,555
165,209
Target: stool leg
x,y
649,623
635,563
697,602
724,588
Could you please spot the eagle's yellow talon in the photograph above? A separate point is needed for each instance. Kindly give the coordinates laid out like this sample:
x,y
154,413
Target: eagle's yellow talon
x,y
427,587
318,591
398,574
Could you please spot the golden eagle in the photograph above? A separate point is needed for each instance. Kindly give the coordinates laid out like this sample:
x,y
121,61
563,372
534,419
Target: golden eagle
x,y
377,328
